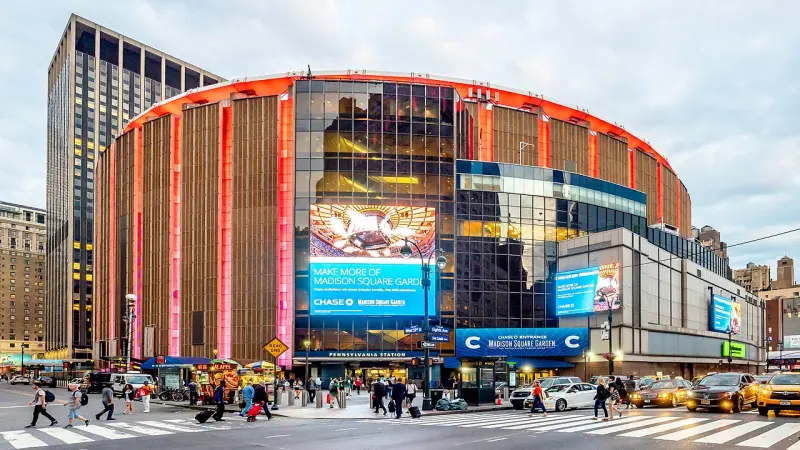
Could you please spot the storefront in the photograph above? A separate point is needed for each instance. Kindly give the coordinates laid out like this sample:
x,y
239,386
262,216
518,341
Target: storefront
x,y
369,366
172,372
208,377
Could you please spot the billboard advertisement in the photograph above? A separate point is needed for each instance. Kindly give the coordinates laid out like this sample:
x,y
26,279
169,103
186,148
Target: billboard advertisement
x,y
589,290
355,265
725,313
499,342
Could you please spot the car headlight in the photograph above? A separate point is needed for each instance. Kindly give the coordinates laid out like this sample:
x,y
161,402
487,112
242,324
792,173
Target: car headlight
x,y
726,395
637,396
690,394
765,390
663,395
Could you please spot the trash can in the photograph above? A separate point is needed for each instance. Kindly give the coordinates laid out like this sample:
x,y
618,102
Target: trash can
x,y
436,395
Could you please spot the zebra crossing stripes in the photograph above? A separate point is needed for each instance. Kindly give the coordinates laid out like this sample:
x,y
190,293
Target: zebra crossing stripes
x,y
598,424
526,421
609,428
663,428
775,435
147,431
66,436
568,422
21,439
733,433
694,431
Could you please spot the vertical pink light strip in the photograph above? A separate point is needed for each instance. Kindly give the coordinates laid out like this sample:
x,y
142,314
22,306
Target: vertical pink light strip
x,y
137,247
174,343
97,326
112,240
225,236
285,306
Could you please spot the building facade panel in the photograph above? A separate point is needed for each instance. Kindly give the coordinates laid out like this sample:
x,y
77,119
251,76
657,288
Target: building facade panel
x,y
669,197
123,263
685,219
569,147
613,161
647,182
516,135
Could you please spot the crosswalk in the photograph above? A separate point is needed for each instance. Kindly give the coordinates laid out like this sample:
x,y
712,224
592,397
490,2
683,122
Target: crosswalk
x,y
671,428
45,436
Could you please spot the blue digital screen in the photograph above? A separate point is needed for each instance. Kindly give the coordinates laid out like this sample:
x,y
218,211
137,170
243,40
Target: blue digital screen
x,y
355,264
589,290
500,342
724,314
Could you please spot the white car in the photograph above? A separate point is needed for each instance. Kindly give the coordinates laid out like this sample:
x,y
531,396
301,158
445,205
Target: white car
x,y
20,379
570,396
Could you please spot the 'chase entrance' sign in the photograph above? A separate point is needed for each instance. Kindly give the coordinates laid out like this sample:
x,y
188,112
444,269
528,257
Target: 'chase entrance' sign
x,y
498,342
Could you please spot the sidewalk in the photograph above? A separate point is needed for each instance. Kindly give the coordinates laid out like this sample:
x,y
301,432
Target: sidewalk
x,y
357,408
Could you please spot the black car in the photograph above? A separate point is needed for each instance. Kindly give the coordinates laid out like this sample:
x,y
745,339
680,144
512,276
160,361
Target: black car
x,y
96,381
724,391
47,381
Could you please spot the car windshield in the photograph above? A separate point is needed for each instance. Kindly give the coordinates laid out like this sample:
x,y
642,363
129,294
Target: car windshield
x,y
664,385
793,379
559,388
546,383
720,380
139,380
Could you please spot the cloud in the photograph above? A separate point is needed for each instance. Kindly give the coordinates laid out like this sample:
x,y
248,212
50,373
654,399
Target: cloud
x,y
710,85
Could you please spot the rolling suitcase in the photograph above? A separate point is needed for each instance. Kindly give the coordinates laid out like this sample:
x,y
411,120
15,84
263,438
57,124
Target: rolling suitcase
x,y
253,412
415,412
204,415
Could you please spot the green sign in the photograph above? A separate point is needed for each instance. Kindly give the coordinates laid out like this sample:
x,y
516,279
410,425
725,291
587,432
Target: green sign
x,y
737,350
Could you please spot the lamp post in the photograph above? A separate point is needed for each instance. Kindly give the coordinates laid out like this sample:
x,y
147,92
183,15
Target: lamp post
x,y
130,300
610,339
522,146
730,349
22,358
441,261
767,341
780,355
307,344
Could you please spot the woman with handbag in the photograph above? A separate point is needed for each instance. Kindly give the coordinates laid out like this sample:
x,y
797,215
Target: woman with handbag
x,y
411,393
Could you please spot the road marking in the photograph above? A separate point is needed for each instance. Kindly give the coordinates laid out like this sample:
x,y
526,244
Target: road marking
x,y
563,423
662,428
171,426
18,406
512,421
597,424
694,431
107,433
612,428
775,435
276,436
527,421
733,433
460,421
345,429
147,431
456,418
497,439
66,436
21,439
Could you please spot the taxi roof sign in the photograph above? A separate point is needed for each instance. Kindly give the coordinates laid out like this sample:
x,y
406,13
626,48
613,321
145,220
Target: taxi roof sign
x,y
276,347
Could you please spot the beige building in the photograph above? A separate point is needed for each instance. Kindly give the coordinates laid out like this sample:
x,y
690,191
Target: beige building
x,y
754,278
709,237
785,274
22,291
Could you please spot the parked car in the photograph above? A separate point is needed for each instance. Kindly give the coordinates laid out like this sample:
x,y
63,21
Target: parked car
x,y
20,379
726,391
47,381
519,396
567,396
780,393
662,393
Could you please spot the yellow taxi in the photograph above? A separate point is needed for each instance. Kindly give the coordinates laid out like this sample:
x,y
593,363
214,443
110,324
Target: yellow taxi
x,y
780,393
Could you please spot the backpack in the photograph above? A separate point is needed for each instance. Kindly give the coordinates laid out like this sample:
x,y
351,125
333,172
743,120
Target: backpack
x,y
84,399
49,397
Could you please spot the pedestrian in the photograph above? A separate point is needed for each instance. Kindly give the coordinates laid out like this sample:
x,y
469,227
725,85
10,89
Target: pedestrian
x,y
128,393
378,392
358,384
144,394
398,395
614,400
411,393
260,397
298,388
74,405
347,386
333,391
219,400
600,398
108,403
318,381
193,397
247,395
389,384
538,399
623,392
311,387
40,402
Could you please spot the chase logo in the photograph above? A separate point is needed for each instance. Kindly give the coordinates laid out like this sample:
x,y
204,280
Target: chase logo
x,y
473,342
349,302
572,341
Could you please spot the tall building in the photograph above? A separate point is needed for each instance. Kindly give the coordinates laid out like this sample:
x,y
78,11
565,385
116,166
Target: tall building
x,y
710,238
97,81
785,274
754,278
22,284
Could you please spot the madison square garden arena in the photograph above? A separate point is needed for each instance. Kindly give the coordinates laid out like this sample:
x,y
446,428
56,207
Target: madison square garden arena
x,y
305,206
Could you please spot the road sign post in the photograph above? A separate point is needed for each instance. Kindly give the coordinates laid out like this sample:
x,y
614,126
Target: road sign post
x,y
276,348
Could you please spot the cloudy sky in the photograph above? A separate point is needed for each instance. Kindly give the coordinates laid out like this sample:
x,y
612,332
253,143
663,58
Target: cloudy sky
x,y
713,86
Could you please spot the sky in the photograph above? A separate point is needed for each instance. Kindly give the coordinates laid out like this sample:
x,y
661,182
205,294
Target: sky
x,y
713,86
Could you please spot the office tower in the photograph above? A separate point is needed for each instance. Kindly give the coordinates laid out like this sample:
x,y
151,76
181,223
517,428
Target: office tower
x,y
97,81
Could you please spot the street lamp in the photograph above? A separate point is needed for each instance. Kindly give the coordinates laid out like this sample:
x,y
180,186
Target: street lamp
x,y
767,346
730,349
307,344
522,146
22,358
780,355
610,339
441,261
130,300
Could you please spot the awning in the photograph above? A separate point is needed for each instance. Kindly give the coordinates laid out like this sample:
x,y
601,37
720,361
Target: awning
x,y
174,361
540,363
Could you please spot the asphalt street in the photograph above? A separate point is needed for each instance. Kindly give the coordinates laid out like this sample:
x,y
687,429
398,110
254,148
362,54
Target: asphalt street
x,y
170,427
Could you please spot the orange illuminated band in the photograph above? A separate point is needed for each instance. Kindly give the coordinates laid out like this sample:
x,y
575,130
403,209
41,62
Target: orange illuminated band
x,y
485,122
544,141
594,167
98,249
174,347
660,195
112,239
137,246
224,245
632,167
678,204
285,252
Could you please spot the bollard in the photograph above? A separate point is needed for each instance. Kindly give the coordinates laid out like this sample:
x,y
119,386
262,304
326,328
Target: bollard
x,y
290,398
371,400
319,399
505,393
342,399
277,400
304,398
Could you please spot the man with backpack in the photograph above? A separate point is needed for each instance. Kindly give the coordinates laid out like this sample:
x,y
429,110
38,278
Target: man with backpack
x,y
76,400
41,398
108,403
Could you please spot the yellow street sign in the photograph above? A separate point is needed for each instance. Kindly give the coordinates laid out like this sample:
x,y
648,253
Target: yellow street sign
x,y
276,347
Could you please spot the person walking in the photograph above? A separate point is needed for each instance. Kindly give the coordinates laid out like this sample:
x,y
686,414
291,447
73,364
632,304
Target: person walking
x,y
358,383
378,392
219,400
600,398
108,403
411,393
333,391
538,399
398,396
298,388
348,384
260,397
247,395
614,401
389,384
128,393
74,406
311,387
193,397
146,391
40,402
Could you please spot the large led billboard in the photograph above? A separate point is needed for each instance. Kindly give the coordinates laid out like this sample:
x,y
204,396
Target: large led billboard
x,y
724,314
589,290
355,265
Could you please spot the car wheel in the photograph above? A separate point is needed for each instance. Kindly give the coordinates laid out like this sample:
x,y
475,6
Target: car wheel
x,y
738,406
754,404
691,408
561,405
674,401
763,411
